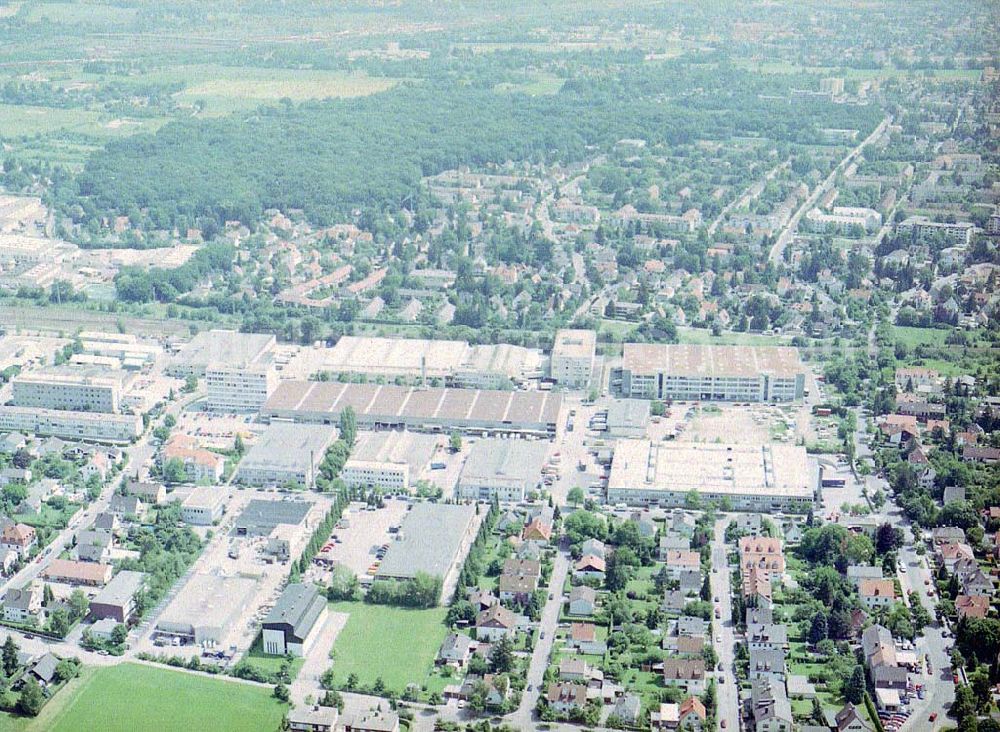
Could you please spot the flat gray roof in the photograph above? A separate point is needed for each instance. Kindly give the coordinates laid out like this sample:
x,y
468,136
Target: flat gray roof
x,y
698,360
289,447
504,460
222,348
121,589
766,470
410,448
628,413
432,534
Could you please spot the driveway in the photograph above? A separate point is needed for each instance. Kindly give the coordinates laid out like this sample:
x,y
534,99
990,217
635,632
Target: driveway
x,y
317,661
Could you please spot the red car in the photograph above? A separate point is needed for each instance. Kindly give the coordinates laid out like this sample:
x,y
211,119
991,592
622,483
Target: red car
x,y
932,717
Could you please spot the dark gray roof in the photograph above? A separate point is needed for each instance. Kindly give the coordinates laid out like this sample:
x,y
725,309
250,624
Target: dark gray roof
x,y
298,607
261,516
45,667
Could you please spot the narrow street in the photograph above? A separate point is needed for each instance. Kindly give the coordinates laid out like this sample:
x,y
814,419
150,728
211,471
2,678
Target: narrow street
x,y
727,689
522,718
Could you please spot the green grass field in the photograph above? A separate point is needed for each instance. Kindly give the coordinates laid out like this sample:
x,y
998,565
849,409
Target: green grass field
x,y
131,697
700,336
914,337
396,644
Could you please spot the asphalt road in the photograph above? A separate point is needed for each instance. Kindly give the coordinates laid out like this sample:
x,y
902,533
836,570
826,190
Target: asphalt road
x,y
727,689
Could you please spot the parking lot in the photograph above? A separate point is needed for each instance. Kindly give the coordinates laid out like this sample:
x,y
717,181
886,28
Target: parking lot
x,y
361,532
217,430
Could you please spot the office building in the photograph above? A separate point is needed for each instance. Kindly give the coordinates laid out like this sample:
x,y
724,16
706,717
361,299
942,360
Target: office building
x,y
286,453
239,388
117,600
746,477
89,426
572,360
391,461
204,506
710,373
70,388
504,469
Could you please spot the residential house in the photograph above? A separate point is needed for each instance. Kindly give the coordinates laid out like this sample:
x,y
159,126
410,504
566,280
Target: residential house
x,y
674,601
770,709
313,718
678,561
455,650
984,455
686,673
582,600
127,508
20,538
583,638
849,719
876,593
149,493
767,663
44,669
494,623
94,546
857,573
948,554
565,697
538,530
199,464
666,717
627,708
590,567
20,605
762,553
947,535
577,669
672,541
373,721
972,606
767,636
593,547
692,715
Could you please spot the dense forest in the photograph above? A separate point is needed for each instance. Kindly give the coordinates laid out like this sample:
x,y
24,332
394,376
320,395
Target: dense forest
x,y
332,157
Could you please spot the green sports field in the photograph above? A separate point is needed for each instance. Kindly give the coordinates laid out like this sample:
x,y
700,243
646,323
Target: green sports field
x,y
395,643
133,697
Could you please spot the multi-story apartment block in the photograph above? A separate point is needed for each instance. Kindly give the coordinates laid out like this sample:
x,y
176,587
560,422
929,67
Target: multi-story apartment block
x,y
572,359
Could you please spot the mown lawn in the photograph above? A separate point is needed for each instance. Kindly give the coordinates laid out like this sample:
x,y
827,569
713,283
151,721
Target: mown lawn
x,y
131,697
397,644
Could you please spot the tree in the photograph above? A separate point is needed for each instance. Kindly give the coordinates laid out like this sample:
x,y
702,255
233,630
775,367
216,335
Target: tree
x,y
174,471
281,693
502,656
238,447
67,669
818,630
455,442
888,538
575,496
348,425
854,690
10,651
31,700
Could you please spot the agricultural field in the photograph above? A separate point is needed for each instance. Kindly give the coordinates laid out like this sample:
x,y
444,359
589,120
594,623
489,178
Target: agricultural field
x,y
397,645
130,697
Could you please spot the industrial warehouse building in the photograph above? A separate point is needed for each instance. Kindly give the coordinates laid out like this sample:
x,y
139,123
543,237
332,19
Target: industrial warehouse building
x,y
204,506
433,539
286,453
206,608
572,360
628,417
710,373
748,477
293,622
261,517
117,599
423,410
453,363
505,469
391,461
